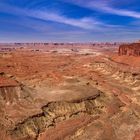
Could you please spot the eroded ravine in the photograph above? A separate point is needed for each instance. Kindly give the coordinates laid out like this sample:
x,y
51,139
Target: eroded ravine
x,y
128,77
73,105
53,113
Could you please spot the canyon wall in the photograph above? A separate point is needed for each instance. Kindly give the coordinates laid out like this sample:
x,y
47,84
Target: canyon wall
x,y
130,50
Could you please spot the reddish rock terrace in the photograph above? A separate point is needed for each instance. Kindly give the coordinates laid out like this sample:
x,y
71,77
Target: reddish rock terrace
x,y
5,82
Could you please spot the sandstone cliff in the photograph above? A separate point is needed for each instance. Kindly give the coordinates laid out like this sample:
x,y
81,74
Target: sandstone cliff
x,y
130,50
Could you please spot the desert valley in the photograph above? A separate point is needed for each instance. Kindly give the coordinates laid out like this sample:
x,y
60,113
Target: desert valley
x,y
70,91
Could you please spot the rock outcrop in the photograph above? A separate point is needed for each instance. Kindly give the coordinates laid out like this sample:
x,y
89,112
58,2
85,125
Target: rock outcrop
x,y
130,50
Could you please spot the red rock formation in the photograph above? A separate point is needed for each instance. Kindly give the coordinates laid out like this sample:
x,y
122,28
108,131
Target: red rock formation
x,y
49,96
130,50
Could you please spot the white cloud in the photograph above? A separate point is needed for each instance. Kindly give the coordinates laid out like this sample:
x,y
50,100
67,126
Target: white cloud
x,y
85,22
105,7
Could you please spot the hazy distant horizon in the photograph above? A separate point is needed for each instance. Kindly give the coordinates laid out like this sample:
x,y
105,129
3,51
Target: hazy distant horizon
x,y
68,42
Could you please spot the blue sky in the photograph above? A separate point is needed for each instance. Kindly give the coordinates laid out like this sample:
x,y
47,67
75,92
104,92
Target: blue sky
x,y
69,20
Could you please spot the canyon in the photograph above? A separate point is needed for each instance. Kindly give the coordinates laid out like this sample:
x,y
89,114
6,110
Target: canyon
x,y
65,91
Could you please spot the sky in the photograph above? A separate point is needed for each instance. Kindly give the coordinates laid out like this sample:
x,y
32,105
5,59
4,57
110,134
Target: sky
x,y
69,20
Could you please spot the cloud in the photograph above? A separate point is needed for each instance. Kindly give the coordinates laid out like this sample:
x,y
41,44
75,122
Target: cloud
x,y
35,21
84,23
88,23
105,7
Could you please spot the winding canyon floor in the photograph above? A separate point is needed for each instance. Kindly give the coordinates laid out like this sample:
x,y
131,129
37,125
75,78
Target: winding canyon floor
x,y
56,96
